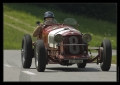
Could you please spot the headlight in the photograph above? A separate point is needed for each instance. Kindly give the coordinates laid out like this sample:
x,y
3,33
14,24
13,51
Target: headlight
x,y
87,38
58,38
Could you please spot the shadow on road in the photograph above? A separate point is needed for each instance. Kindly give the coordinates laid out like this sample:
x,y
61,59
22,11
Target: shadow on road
x,y
77,69
73,69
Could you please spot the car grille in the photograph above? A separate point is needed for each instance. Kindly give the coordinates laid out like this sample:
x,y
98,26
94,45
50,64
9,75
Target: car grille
x,y
73,49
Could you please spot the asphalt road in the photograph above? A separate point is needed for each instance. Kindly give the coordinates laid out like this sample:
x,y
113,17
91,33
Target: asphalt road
x,y
13,71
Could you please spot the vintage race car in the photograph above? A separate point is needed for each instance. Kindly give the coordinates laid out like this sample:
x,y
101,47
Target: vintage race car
x,y
62,43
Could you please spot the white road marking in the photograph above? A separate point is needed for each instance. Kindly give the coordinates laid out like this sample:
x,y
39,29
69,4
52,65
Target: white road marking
x,y
8,65
28,72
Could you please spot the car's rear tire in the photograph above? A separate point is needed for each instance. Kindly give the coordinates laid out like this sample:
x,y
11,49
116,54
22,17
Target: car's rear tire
x,y
82,65
106,56
40,56
26,51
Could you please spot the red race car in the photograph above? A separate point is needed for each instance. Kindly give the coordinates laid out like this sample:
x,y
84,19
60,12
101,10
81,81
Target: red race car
x,y
62,43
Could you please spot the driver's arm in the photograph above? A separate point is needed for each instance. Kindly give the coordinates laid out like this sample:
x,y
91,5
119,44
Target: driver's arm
x,y
37,31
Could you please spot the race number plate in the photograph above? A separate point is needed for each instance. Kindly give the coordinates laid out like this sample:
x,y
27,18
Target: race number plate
x,y
75,61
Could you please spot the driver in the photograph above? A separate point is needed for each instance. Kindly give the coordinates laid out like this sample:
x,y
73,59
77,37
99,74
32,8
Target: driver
x,y
47,16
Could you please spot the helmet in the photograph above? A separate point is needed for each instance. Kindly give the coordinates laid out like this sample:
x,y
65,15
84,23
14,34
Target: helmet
x,y
48,14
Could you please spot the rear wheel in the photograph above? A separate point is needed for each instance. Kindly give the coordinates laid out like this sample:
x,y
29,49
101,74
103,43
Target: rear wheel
x,y
26,51
81,65
40,56
106,55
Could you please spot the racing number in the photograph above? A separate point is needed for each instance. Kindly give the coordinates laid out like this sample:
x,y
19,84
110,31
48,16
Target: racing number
x,y
71,47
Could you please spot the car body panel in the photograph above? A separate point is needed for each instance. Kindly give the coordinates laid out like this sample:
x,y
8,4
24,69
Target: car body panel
x,y
65,45
71,47
63,31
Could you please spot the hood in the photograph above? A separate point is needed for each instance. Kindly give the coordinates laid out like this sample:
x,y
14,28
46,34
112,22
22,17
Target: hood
x,y
65,31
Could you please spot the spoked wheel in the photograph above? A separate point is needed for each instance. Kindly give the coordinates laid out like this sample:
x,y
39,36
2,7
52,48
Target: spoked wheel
x,y
26,51
40,56
106,55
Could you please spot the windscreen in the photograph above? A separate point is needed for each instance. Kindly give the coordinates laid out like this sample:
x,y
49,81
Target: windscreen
x,y
70,21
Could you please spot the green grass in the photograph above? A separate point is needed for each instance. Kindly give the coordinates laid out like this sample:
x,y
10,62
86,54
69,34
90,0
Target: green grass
x,y
24,16
29,14
12,38
114,59
23,26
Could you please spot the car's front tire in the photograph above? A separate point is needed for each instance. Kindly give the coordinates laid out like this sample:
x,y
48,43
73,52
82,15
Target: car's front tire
x,y
40,56
26,51
106,56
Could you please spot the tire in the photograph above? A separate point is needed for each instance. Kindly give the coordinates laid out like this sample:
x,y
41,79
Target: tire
x,y
107,55
40,56
26,51
81,65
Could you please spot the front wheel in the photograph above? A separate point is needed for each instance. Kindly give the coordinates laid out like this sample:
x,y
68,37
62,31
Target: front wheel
x,y
26,51
40,56
106,55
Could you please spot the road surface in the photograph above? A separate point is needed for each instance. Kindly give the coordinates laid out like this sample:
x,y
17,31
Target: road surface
x,y
13,71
